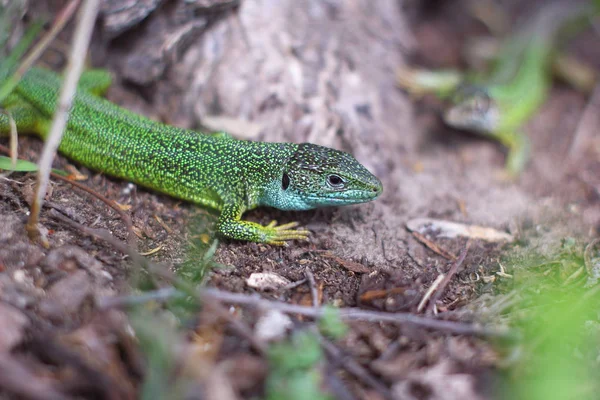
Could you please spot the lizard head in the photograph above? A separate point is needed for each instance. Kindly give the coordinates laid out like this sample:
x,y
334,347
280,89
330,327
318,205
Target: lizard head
x,y
317,176
473,110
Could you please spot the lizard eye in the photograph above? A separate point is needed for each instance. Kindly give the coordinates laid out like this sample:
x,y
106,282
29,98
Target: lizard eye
x,y
285,181
481,103
335,181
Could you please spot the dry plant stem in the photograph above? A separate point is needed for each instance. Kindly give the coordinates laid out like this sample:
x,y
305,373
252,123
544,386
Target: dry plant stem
x,y
451,272
347,314
61,20
82,36
126,219
294,284
430,292
313,287
124,216
434,247
355,314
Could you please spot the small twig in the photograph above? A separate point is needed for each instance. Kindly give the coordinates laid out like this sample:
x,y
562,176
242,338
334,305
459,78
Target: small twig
x,y
355,314
451,272
349,265
310,278
347,314
381,293
430,292
82,36
294,284
60,21
434,247
112,204
101,234
132,300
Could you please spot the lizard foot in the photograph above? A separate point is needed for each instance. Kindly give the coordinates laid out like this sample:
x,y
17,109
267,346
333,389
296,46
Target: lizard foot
x,y
278,235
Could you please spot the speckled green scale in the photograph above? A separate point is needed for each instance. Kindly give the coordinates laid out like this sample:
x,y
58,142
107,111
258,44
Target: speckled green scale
x,y
216,171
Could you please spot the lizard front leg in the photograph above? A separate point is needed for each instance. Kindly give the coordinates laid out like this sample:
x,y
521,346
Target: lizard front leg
x,y
231,225
518,152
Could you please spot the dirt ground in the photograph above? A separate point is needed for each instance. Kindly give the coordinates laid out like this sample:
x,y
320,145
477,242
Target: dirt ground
x,y
317,71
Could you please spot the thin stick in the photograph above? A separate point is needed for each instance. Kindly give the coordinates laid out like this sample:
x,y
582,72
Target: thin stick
x,y
347,314
112,204
430,292
453,270
313,287
434,247
83,34
61,20
355,314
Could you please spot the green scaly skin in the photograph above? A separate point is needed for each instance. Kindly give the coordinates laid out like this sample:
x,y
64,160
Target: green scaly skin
x,y
497,105
216,171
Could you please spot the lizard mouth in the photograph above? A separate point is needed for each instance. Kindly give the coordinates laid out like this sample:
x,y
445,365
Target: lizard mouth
x,y
359,196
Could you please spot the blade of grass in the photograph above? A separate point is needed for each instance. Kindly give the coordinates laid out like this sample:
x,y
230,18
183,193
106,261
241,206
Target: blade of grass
x,y
6,163
24,166
59,23
12,60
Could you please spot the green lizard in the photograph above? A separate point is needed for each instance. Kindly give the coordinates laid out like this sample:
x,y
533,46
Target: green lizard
x,y
215,171
499,103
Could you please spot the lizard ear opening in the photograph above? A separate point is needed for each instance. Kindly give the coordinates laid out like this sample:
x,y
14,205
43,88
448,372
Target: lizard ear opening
x,y
285,181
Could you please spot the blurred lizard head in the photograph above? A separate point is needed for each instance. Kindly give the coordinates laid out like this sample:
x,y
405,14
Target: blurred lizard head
x,y
317,176
473,110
